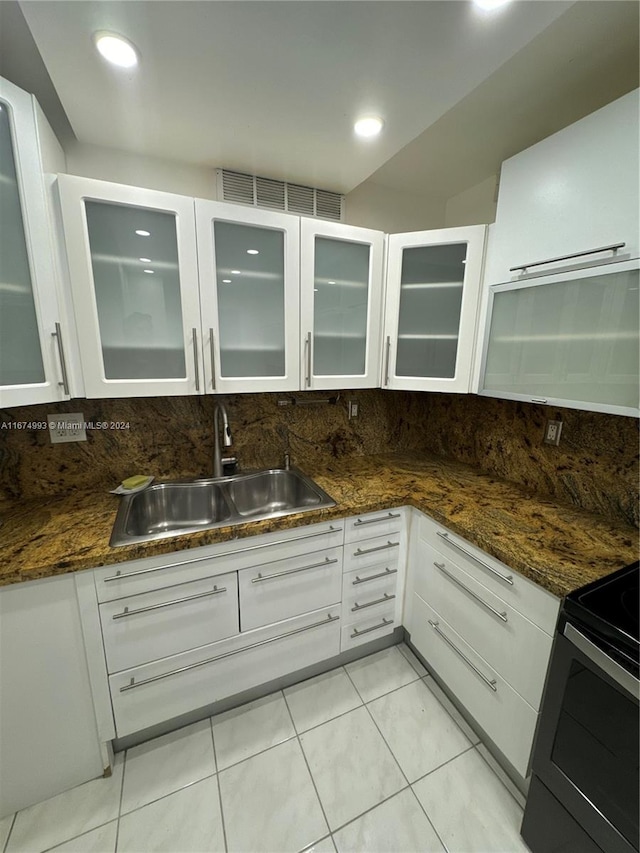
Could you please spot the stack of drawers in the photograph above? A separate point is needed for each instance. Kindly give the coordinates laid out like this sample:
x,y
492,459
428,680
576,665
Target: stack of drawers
x,y
486,632
374,559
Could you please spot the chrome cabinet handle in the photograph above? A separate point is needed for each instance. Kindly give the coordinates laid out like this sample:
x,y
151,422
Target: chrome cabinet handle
x,y
612,248
385,597
538,400
120,576
501,615
360,552
325,562
63,362
194,335
133,683
382,624
213,359
490,683
377,520
384,574
386,363
506,578
126,612
307,379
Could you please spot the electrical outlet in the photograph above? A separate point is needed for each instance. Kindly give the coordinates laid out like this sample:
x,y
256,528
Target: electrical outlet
x,y
353,409
68,426
552,432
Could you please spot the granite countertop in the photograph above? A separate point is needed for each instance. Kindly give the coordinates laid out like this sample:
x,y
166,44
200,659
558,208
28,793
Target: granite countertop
x,y
558,547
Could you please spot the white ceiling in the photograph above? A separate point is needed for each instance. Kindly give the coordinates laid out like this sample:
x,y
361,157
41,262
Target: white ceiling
x,y
273,87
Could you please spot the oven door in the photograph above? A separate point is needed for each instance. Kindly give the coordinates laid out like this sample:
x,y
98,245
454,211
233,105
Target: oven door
x,y
587,741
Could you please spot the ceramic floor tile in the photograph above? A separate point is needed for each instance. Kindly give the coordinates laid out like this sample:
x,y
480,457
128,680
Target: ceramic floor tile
x,y
187,821
324,846
351,766
470,808
69,814
5,829
398,825
380,673
100,840
406,652
451,709
250,729
269,802
321,698
516,793
420,733
168,763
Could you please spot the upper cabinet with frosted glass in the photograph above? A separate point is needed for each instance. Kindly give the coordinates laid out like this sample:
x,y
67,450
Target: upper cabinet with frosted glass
x,y
249,289
134,277
32,355
433,285
341,277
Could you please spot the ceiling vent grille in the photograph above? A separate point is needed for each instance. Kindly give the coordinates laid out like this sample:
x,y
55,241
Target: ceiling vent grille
x,y
271,194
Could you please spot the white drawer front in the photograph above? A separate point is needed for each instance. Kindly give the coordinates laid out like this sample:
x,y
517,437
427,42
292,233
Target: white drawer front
x,y
508,641
147,627
360,555
373,524
367,593
173,686
504,715
533,601
140,576
368,627
275,591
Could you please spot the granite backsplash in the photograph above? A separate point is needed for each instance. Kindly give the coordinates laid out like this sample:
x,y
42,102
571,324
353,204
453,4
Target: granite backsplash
x,y
595,467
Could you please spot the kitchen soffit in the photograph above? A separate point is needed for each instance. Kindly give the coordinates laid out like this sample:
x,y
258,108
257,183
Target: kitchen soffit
x,y
273,87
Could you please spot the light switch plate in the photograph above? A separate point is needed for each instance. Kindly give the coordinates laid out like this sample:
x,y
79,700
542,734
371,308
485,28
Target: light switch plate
x,y
68,426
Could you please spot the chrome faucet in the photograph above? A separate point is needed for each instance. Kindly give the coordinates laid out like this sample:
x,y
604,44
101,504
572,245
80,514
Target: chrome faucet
x,y
217,453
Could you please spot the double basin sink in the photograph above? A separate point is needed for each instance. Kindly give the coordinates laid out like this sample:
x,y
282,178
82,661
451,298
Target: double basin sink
x,y
186,506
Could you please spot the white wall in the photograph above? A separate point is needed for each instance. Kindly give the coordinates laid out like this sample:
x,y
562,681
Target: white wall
x,y
372,205
474,206
123,167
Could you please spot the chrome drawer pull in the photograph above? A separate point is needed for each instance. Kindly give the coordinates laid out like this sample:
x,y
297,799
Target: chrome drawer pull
x,y
119,576
126,612
325,562
377,520
133,683
506,578
383,624
385,597
481,601
384,574
361,552
491,684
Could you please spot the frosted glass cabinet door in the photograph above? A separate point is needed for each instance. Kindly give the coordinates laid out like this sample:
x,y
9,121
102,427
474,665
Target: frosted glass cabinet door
x,y
340,305
29,321
249,272
433,285
568,340
133,267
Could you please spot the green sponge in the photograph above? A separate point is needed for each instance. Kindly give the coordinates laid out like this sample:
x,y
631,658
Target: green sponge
x,y
134,482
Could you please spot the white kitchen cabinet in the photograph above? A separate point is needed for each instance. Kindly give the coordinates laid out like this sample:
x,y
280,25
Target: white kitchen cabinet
x,y
48,736
249,284
341,282
134,278
33,332
566,340
575,191
433,286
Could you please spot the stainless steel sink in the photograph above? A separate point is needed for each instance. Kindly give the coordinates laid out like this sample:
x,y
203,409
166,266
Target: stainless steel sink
x,y
185,506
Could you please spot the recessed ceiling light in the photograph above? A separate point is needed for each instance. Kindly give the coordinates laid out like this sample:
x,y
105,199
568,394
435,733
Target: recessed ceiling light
x,y
252,252
142,233
145,260
490,5
368,126
235,272
226,281
116,49
149,271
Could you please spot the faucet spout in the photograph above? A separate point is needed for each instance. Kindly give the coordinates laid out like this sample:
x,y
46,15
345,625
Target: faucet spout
x,y
226,437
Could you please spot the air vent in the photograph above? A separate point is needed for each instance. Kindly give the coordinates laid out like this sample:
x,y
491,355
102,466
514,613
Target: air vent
x,y
278,195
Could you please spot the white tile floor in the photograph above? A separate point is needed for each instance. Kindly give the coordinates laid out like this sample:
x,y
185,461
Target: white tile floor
x,y
370,758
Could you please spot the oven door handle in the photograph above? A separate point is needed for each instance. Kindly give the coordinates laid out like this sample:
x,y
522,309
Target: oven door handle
x,y
618,673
